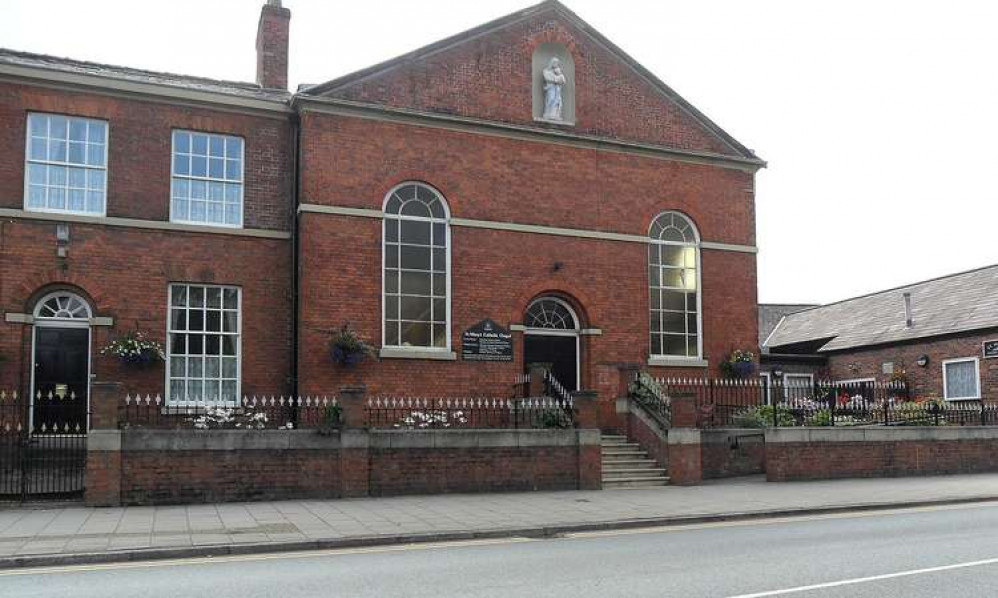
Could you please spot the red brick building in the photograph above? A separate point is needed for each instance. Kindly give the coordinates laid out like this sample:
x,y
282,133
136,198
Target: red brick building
x,y
524,177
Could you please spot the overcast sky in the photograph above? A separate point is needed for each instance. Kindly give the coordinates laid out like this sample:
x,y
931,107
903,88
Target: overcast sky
x,y
878,118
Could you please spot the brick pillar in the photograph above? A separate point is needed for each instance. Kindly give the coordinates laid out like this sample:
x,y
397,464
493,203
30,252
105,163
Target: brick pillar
x,y
684,410
537,372
627,372
685,465
353,401
590,460
102,478
355,464
587,415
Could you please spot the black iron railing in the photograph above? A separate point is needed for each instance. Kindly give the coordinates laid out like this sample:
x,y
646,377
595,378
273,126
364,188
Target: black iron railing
x,y
416,413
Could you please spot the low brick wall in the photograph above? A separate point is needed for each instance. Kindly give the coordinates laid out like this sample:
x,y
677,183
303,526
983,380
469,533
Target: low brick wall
x,y
430,462
827,453
732,452
144,466
696,455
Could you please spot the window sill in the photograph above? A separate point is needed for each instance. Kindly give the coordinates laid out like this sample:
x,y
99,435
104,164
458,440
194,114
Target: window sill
x,y
959,399
678,362
415,353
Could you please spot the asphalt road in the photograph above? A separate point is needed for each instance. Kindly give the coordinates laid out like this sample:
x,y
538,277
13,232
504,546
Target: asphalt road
x,y
934,552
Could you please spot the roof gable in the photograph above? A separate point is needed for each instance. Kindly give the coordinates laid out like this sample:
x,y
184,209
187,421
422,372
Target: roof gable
x,y
486,73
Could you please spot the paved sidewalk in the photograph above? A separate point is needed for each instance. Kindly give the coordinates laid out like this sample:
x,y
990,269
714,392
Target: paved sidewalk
x,y
81,534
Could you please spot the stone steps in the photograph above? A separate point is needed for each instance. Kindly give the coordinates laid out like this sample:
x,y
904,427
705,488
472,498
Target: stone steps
x,y
626,465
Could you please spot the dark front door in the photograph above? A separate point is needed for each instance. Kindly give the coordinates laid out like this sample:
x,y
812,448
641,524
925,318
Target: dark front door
x,y
62,364
559,351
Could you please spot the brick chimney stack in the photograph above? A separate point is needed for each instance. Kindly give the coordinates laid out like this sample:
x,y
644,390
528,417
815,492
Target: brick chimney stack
x,y
272,45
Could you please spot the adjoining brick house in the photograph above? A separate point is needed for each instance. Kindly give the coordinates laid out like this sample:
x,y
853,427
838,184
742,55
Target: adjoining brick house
x,y
526,176
940,336
132,200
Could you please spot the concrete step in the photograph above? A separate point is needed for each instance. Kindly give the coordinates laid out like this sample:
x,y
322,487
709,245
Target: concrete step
x,y
624,463
624,483
633,474
613,436
624,453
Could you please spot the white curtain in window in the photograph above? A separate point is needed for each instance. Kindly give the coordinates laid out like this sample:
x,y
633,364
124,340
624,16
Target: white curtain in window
x,y
961,380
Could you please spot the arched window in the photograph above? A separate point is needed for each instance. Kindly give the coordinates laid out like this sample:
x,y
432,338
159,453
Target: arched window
x,y
63,305
674,281
551,314
416,268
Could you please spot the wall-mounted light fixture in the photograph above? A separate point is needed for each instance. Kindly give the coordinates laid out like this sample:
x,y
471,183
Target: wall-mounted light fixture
x,y
922,361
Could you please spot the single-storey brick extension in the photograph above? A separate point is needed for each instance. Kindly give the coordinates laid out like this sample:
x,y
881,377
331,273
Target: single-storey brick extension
x,y
526,178
940,336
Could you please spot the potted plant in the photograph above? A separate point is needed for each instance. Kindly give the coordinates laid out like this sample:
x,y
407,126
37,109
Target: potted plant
x,y
348,349
134,348
738,364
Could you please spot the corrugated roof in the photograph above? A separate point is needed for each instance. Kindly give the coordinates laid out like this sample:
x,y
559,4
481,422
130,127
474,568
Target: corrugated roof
x,y
950,304
770,315
79,67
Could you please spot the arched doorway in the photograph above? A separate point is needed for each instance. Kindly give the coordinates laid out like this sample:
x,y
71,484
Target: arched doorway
x,y
60,374
551,335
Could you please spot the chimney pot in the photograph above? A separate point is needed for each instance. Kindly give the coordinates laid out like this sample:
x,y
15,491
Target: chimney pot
x,y
272,36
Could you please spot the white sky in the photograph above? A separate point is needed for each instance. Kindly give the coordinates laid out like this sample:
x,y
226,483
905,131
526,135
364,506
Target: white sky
x,y
878,118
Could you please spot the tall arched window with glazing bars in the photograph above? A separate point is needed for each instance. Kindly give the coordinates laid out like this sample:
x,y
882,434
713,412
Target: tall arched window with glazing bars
x,y
674,284
416,274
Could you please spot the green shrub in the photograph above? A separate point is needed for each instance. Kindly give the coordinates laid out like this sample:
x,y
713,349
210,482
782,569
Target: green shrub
x,y
762,417
555,419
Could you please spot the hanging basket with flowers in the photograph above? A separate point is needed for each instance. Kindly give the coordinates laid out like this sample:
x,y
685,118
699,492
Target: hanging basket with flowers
x,y
738,364
348,349
134,348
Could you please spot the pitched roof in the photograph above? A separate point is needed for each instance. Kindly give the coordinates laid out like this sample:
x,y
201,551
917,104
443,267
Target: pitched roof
x,y
123,73
959,302
569,16
770,315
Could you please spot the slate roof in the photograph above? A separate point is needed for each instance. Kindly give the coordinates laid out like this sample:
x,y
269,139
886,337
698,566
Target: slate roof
x,y
770,315
123,73
956,303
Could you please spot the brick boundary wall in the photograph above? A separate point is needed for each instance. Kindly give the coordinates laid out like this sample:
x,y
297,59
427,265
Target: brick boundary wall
x,y
820,453
143,466
696,455
732,452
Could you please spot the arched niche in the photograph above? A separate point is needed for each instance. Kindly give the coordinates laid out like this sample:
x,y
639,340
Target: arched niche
x,y
542,60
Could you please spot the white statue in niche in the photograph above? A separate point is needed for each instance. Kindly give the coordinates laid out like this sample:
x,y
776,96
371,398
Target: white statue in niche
x,y
554,81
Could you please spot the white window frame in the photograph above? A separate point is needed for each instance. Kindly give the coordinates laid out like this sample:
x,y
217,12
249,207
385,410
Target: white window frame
x,y
767,381
402,350
977,378
678,359
239,342
208,179
28,161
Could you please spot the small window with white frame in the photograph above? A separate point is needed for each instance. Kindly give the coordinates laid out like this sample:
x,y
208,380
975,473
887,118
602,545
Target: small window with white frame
x,y
203,345
962,379
206,186
66,165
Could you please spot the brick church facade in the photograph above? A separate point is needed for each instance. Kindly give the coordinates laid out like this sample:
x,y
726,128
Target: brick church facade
x,y
526,174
